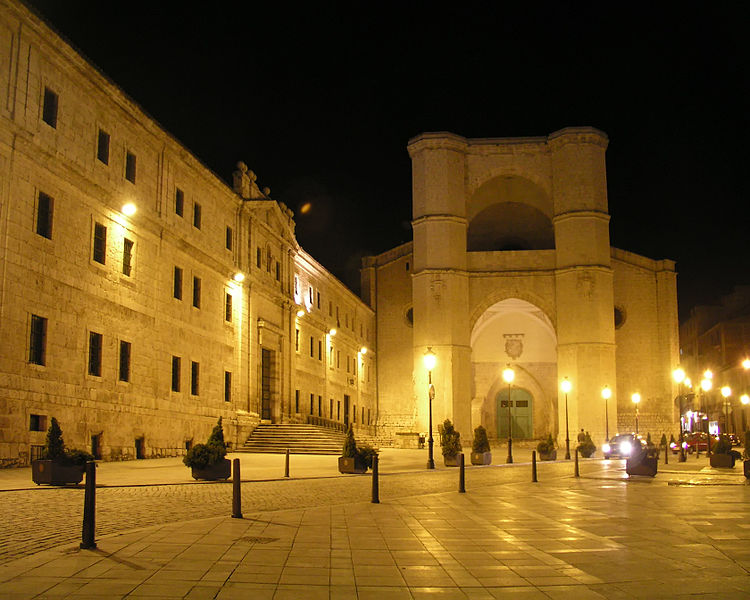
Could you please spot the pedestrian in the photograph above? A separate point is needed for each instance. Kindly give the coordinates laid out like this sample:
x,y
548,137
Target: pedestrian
x,y
581,436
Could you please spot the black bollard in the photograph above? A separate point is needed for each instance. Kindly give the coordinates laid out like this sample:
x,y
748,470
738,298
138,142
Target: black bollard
x,y
236,490
89,508
375,484
533,467
577,472
286,467
462,475
666,455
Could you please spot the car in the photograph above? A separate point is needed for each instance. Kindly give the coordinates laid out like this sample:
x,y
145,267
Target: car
x,y
734,439
698,440
621,445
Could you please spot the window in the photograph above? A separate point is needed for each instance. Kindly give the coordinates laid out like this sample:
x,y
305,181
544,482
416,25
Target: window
x,y
347,363
44,215
258,257
354,412
179,202
38,340
296,401
312,403
196,215
177,283
269,259
320,350
278,271
127,257
130,167
100,243
197,292
228,307
194,377
296,340
124,361
320,406
338,410
49,108
338,359
312,346
330,308
318,298
310,295
229,238
227,386
296,285
176,367
102,147
37,422
95,354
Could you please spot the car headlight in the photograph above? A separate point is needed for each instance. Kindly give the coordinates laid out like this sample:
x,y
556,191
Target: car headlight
x,y
605,448
626,448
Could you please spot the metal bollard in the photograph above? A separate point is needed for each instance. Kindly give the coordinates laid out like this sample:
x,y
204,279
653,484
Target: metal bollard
x,y
236,490
461,475
577,472
89,508
286,467
533,467
375,484
666,455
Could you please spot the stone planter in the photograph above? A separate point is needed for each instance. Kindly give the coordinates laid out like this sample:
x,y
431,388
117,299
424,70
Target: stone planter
x,y
746,468
52,473
452,461
351,465
481,458
220,470
548,455
641,464
722,461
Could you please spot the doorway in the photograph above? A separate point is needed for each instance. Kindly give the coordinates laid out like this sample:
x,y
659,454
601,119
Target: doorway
x,y
140,447
265,384
96,446
521,414
346,411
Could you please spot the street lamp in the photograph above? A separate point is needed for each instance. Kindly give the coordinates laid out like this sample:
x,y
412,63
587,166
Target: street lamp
x,y
679,376
606,394
508,376
726,391
566,386
636,398
429,363
706,385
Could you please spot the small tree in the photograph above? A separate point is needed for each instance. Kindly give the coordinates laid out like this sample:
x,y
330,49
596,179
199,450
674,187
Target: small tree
x,y
649,443
350,445
481,443
546,446
663,441
54,447
450,439
205,455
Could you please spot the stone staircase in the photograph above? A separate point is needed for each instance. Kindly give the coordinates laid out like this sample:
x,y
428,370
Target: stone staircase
x,y
300,438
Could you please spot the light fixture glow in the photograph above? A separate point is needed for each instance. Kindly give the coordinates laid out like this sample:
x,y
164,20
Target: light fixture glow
x,y
706,384
746,364
238,277
363,350
566,386
679,375
745,399
508,375
708,374
332,332
726,391
606,392
636,398
300,313
128,209
429,359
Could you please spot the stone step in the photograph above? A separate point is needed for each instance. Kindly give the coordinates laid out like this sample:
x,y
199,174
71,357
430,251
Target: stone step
x,y
298,438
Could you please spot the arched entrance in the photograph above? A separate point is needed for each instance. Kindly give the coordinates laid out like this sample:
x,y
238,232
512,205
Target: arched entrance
x,y
521,413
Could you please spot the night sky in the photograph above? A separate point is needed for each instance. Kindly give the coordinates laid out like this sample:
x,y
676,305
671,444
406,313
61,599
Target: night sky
x,y
320,100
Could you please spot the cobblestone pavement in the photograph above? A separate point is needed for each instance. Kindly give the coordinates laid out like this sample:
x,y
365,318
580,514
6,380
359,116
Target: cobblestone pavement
x,y
45,517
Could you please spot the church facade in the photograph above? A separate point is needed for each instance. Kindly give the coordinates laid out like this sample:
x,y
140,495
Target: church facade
x,y
511,266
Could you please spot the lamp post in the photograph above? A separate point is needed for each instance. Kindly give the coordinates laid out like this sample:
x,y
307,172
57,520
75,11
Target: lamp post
x,y
429,363
566,386
706,385
508,376
606,394
636,398
679,376
726,391
745,399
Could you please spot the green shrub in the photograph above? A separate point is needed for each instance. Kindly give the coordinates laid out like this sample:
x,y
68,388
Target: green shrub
x,y
205,455
723,446
54,448
450,439
671,439
649,443
361,454
587,448
481,443
366,453
546,446
663,442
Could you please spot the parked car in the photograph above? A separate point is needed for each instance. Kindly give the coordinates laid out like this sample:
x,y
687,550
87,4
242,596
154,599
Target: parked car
x,y
698,440
735,439
621,445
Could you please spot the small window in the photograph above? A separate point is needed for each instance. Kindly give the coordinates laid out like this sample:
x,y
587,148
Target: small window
x,y
179,202
196,215
49,108
194,377
100,243
296,401
102,147
177,283
278,271
95,354
196,292
296,340
320,406
176,367
318,300
354,412
312,342
38,340
269,259
312,403
37,422
44,210
296,285
124,374
130,167
330,308
258,257
320,350
229,238
407,265
330,408
227,386
127,257
228,307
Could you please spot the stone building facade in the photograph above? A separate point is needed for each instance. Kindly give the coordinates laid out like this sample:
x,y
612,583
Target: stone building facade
x,y
137,330
511,265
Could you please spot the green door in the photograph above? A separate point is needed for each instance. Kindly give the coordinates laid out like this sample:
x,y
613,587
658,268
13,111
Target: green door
x,y
521,413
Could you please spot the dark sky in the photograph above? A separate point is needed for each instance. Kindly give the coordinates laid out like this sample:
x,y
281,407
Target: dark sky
x,y
320,99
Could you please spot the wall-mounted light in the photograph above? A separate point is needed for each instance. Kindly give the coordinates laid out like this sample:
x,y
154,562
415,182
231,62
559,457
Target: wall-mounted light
x,y
300,313
238,277
363,350
128,209
332,332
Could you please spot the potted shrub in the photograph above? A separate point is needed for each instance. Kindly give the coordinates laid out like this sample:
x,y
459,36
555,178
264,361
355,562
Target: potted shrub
x,y
355,459
58,466
722,455
546,449
450,441
587,448
207,461
642,460
480,448
746,455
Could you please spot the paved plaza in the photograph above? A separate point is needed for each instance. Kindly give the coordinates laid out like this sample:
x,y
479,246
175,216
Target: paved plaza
x,y
683,534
